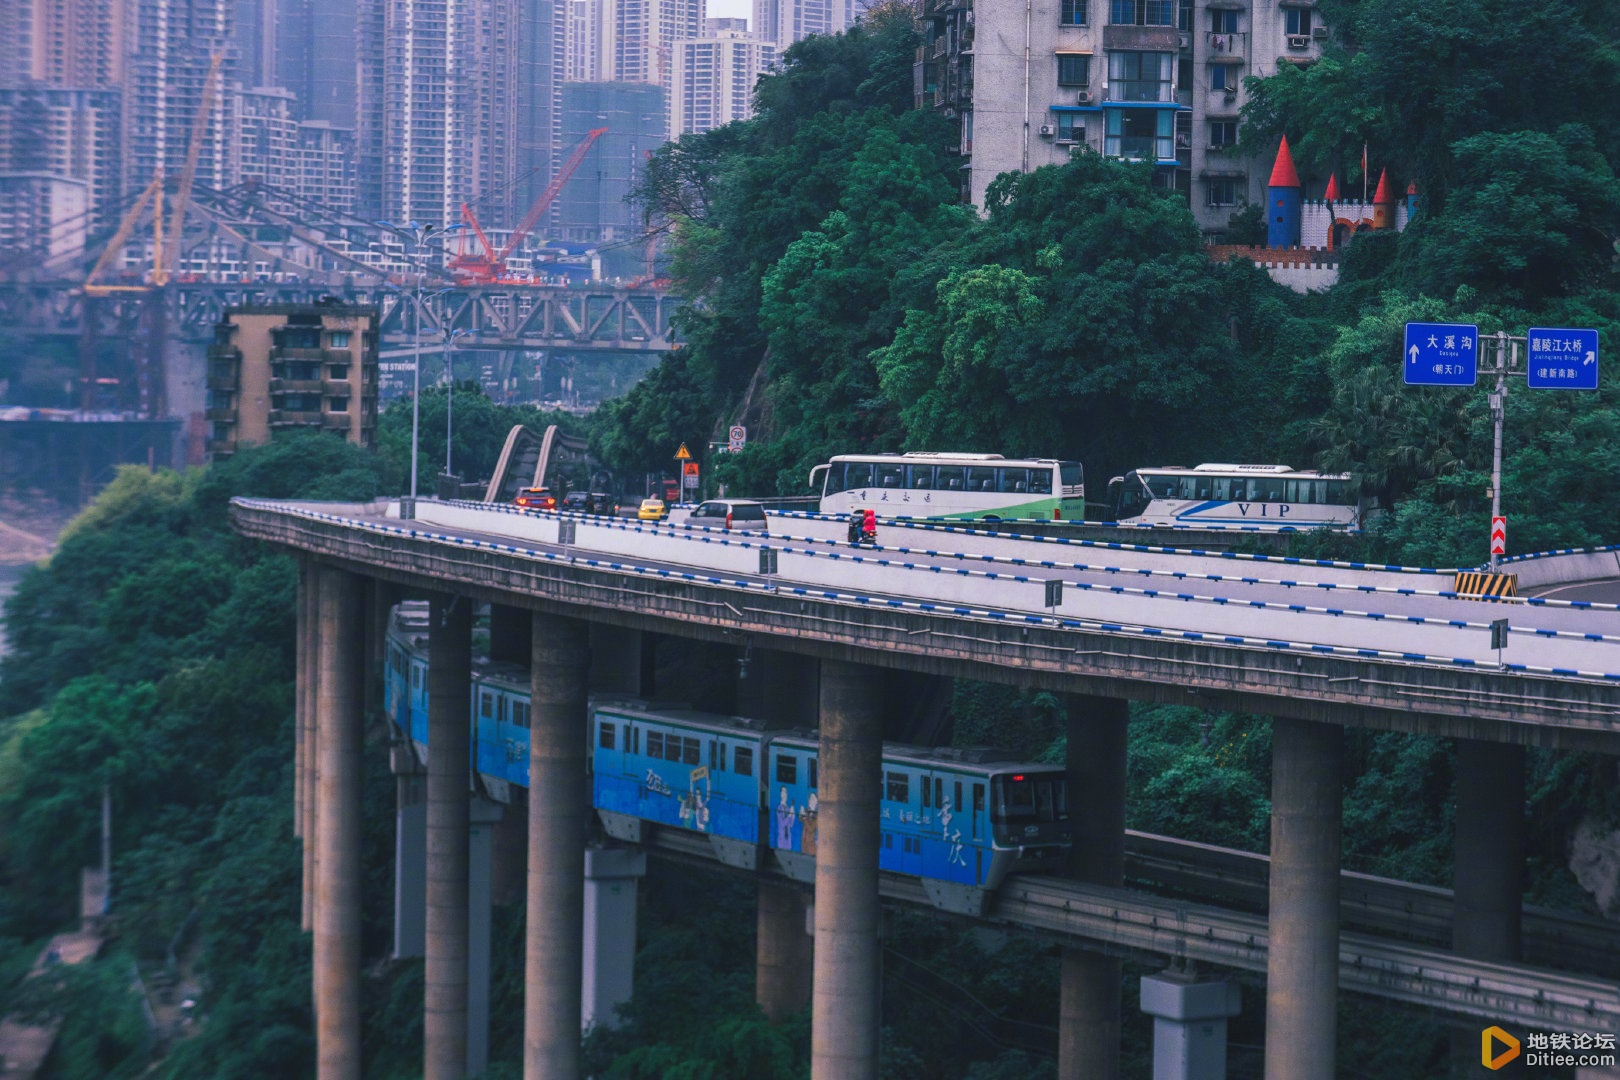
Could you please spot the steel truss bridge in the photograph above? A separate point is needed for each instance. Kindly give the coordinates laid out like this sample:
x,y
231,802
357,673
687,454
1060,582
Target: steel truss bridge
x,y
598,317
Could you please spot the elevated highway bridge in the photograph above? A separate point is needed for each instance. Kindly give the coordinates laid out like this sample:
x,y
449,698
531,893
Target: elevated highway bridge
x,y
1314,646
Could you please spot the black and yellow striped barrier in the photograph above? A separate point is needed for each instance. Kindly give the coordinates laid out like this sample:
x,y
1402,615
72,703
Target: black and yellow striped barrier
x,y
1484,585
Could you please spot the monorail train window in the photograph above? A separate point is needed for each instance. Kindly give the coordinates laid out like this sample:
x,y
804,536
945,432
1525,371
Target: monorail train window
x,y
1020,799
605,735
890,475
486,704
814,770
958,802
898,788
787,769
939,793
927,793
978,808
416,678
717,755
691,752
742,760
520,713
981,478
635,739
655,744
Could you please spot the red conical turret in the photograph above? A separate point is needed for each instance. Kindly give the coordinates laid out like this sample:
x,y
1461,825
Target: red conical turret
x,y
1383,203
1332,193
1283,174
1383,195
1411,189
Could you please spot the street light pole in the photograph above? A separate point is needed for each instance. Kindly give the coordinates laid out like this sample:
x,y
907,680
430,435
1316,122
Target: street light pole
x,y
419,233
450,395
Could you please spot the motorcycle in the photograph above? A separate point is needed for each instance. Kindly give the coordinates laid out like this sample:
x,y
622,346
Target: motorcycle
x,y
859,532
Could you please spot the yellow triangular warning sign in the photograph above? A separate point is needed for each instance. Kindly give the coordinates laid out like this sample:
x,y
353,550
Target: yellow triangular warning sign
x,y
683,454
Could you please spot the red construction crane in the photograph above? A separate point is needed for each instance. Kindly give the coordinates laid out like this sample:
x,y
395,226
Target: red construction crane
x,y
488,265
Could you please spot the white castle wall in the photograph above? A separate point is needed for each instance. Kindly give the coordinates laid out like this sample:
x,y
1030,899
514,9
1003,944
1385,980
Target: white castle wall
x,y
1316,218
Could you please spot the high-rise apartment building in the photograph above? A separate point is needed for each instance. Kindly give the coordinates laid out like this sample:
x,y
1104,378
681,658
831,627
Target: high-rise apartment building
x,y
63,42
264,142
715,75
588,38
645,33
174,43
594,207
66,132
782,22
1148,80
42,215
326,167
541,62
439,106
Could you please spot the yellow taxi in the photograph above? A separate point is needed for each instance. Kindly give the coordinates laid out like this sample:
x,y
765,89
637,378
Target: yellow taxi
x,y
652,510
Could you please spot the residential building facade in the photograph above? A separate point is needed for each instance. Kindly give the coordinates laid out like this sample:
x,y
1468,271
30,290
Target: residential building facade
x,y
281,367
43,214
714,77
1159,81
68,132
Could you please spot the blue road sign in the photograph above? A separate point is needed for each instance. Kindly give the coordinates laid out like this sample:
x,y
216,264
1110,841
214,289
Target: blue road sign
x,y
1440,354
1561,359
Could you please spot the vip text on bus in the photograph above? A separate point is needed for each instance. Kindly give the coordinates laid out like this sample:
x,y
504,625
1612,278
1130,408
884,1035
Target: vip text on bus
x,y
1263,497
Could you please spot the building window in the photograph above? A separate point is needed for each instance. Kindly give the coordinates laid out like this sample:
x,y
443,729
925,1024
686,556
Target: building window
x,y
1298,21
1071,126
1142,12
1140,134
339,404
1224,191
337,372
340,339
1073,13
1139,76
1073,69
1222,133
1223,22
1225,76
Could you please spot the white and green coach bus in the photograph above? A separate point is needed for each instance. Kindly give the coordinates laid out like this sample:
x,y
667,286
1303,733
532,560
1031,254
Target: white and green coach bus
x,y
1269,498
986,486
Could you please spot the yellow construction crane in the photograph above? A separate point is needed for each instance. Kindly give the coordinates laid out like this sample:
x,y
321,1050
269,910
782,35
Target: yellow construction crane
x,y
163,255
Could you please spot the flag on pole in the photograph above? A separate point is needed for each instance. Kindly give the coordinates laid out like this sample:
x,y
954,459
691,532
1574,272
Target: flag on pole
x,y
1363,173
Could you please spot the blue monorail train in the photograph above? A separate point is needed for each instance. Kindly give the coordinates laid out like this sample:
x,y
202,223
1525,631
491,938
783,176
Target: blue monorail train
x,y
958,819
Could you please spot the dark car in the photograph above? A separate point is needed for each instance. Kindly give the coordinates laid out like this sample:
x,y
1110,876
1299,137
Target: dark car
x,y
536,499
600,502
743,515
577,501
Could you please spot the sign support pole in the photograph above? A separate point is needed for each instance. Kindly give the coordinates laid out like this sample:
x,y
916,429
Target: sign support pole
x,y
1498,410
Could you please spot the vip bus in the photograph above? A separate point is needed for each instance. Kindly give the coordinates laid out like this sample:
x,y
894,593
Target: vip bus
x,y
1265,497
986,486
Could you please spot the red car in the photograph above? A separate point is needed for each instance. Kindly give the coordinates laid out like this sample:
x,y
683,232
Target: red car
x,y
536,499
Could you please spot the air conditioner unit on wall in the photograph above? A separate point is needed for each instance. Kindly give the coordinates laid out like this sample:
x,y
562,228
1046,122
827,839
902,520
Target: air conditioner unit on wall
x,y
1082,97
1319,33
1047,131
1299,41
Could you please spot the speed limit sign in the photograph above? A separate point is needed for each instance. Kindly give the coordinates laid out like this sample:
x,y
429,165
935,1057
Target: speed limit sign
x,y
739,436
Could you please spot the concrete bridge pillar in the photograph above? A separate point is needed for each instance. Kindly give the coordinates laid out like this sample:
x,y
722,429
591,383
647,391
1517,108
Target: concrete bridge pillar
x,y
309,636
1089,1007
444,1020
612,877
1488,869
410,852
483,818
341,653
509,634
782,688
846,996
1302,969
301,677
559,813
621,661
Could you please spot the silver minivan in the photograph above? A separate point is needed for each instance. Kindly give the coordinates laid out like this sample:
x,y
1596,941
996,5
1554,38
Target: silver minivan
x,y
742,515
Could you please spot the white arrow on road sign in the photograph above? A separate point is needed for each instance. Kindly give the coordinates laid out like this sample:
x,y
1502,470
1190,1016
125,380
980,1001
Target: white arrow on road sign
x,y
1413,352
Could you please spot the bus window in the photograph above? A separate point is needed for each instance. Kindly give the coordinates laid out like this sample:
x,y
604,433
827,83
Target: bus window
x,y
920,477
835,478
1338,492
858,475
1013,480
890,476
1073,475
1223,488
950,478
1040,481
981,478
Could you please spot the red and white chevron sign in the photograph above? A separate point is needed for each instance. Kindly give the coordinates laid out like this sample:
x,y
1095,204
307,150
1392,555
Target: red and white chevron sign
x,y
1498,536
